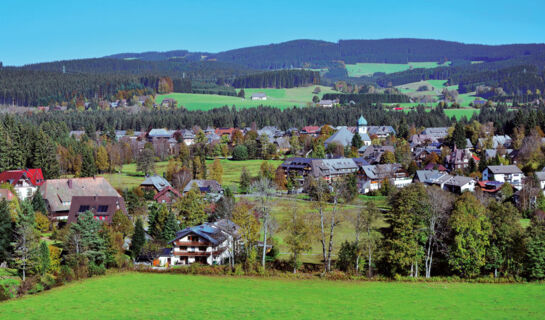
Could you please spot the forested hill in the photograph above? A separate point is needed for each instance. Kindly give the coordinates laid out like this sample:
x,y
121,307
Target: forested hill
x,y
316,54
200,70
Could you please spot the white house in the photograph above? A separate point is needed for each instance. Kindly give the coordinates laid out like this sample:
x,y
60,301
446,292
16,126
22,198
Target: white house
x,y
25,182
372,176
209,243
259,96
327,103
510,173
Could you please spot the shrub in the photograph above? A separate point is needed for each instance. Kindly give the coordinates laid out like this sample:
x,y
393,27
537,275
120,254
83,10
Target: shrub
x,y
42,222
240,152
8,289
66,274
95,270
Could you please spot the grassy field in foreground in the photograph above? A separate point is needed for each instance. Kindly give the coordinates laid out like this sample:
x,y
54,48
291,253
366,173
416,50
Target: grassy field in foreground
x,y
170,296
280,98
130,177
368,69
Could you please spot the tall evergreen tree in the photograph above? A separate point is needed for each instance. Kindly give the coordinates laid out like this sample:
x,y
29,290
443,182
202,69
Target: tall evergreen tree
x,y
6,231
44,155
138,239
44,259
38,203
88,166
171,227
459,136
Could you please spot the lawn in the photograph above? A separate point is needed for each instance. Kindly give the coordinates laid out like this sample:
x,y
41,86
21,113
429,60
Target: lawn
x,y
130,177
281,208
280,98
172,296
232,170
368,69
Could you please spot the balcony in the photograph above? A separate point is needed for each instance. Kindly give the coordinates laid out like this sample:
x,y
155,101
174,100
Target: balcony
x,y
191,244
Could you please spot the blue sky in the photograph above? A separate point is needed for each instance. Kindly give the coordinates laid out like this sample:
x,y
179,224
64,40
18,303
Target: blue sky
x,y
36,31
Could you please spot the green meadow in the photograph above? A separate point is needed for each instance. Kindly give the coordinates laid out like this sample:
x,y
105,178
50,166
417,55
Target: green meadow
x,y
174,296
368,69
130,177
279,98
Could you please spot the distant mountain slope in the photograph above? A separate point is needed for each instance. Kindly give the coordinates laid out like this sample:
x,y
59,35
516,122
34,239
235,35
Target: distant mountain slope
x,y
159,56
319,54
201,70
313,53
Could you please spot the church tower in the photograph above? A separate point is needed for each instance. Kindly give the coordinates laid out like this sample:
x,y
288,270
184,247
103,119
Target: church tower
x,y
362,125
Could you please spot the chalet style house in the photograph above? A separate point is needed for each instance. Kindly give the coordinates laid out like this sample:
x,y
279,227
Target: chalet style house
x,y
25,182
373,176
92,192
209,243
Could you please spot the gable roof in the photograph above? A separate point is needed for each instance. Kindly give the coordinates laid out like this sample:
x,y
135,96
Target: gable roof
x,y
212,234
35,176
165,190
325,167
259,95
59,192
310,129
103,207
508,169
157,182
342,137
208,186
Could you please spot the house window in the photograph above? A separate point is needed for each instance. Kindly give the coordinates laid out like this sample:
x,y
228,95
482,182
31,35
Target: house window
x,y
83,208
102,209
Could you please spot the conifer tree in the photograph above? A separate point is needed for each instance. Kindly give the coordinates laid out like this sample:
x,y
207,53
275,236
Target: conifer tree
x,y
245,180
6,231
138,239
44,259
171,227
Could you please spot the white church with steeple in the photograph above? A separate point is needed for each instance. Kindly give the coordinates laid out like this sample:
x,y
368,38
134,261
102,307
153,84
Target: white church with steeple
x,y
362,125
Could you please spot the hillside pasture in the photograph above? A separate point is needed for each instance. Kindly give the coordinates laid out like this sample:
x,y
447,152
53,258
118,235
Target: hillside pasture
x,y
279,98
368,69
171,296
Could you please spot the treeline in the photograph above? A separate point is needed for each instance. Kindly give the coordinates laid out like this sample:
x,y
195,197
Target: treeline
x,y
367,98
278,79
233,117
24,145
175,68
34,88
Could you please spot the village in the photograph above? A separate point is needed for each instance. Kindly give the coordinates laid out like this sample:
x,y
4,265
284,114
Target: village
x,y
371,154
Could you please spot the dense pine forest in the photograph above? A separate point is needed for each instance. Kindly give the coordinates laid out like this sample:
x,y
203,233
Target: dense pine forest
x,y
278,79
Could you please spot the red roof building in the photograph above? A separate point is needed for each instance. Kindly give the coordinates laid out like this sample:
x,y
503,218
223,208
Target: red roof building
x,y
167,195
225,131
25,182
310,130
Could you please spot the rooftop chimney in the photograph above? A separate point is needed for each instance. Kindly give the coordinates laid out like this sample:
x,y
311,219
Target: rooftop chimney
x,y
69,183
